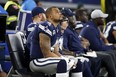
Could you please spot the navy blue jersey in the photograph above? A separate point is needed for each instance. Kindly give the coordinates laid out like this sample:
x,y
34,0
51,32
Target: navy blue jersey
x,y
29,32
92,33
29,39
110,27
48,29
30,28
71,41
79,25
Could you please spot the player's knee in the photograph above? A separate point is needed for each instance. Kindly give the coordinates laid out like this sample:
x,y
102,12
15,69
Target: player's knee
x,y
62,66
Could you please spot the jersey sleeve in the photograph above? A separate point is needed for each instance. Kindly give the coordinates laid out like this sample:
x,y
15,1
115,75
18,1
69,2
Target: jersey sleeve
x,y
114,27
45,29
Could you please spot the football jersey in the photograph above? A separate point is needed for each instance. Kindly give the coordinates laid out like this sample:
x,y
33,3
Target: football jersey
x,y
48,29
79,25
110,27
71,41
30,28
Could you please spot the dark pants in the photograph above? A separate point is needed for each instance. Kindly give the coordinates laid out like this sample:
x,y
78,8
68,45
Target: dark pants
x,y
107,61
95,64
86,70
113,54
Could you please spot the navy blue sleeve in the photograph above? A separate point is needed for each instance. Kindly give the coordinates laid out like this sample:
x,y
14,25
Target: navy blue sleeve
x,y
95,42
45,29
65,41
72,43
114,27
30,28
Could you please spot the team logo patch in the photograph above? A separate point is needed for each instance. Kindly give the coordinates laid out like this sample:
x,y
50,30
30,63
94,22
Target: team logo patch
x,y
46,28
87,26
54,32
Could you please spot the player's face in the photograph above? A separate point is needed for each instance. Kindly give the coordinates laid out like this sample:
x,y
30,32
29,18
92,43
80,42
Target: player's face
x,y
56,15
72,21
84,17
100,21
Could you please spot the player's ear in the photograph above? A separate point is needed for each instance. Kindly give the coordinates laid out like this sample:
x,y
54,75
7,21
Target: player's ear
x,y
40,15
50,16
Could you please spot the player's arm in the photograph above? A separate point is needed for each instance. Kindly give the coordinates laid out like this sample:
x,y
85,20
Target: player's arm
x,y
56,50
85,42
114,34
45,46
104,39
67,52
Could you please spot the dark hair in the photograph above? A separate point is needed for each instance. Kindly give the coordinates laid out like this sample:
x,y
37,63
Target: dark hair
x,y
79,12
49,10
37,1
37,10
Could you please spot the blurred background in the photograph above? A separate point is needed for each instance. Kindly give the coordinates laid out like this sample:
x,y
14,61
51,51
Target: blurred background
x,y
107,6
89,4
